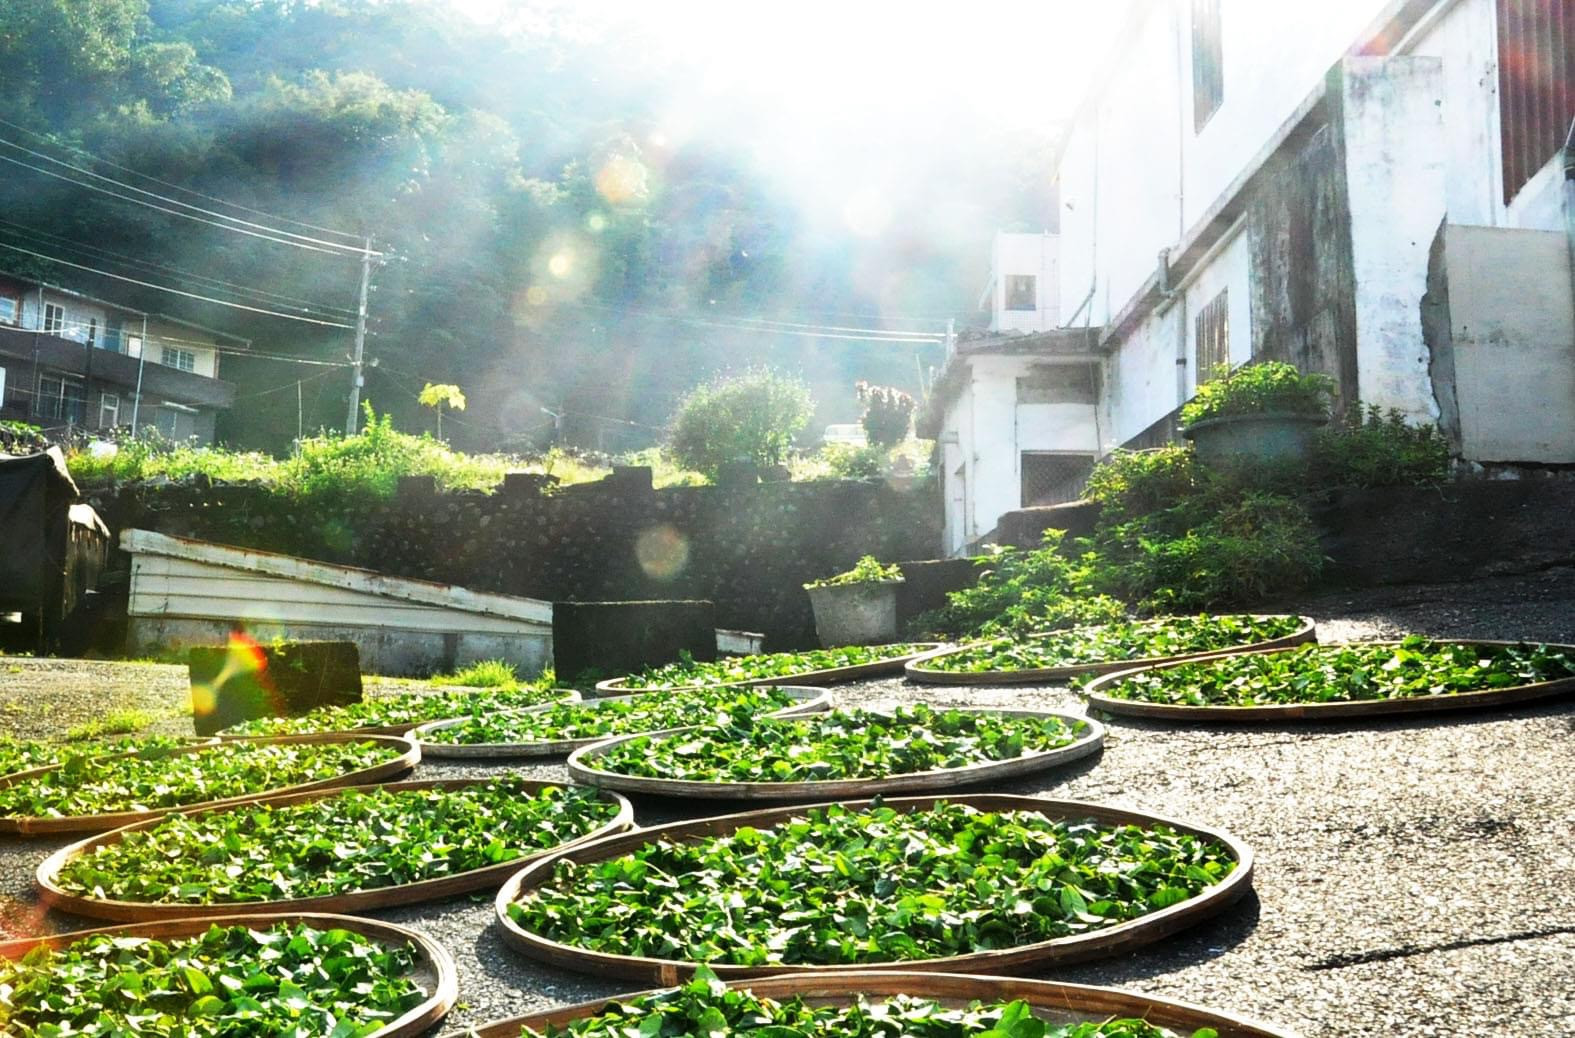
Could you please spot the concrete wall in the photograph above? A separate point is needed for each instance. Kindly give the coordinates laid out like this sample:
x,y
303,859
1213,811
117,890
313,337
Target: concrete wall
x,y
1032,254
1229,271
1511,340
1141,381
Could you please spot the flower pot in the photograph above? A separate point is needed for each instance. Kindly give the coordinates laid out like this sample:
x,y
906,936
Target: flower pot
x,y
855,614
1254,438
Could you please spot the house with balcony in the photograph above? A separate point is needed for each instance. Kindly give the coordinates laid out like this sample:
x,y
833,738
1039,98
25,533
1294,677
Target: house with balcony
x,y
72,361
1379,190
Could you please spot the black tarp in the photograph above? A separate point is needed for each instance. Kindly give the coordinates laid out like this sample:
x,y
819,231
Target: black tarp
x,y
36,494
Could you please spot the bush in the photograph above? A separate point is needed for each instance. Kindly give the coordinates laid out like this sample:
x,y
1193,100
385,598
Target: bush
x,y
1373,449
1270,387
752,416
868,570
845,461
1132,483
888,413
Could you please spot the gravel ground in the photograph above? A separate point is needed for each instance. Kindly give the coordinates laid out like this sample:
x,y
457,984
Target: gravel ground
x,y
1414,877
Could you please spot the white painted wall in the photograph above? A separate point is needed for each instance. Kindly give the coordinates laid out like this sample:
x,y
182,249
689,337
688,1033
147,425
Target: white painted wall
x,y
1229,271
1140,380
182,337
1035,255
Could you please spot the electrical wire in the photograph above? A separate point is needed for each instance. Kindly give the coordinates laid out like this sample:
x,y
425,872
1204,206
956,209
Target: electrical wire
x,y
165,183
300,240
935,339
293,383
176,291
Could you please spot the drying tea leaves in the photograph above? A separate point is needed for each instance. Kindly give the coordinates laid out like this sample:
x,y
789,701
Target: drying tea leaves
x,y
1347,673
26,754
162,778
335,845
608,717
707,1006
290,980
409,708
837,886
1132,640
734,669
844,744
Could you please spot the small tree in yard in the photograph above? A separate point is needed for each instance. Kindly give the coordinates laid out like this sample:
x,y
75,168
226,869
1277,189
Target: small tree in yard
x,y
887,414
436,394
751,416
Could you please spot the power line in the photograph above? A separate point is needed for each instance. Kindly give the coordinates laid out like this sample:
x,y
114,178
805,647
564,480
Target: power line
x,y
174,291
260,294
300,240
288,385
165,183
868,335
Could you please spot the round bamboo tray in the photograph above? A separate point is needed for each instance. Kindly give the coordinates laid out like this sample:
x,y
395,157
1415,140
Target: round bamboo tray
x,y
409,756
189,740
46,878
434,968
1053,1002
1276,714
915,670
582,769
569,696
1114,940
810,701
829,676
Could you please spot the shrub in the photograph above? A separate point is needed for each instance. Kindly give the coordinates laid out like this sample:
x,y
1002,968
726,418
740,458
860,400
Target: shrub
x,y
868,570
1270,387
1132,483
751,416
888,413
845,461
1373,449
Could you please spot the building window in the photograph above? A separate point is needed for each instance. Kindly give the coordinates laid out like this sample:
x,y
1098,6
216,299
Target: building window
x,y
9,310
1022,292
1052,478
1211,337
175,357
92,332
1536,85
108,410
54,318
59,399
1208,62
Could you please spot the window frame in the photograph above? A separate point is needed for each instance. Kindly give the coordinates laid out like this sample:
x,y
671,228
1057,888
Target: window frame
x,y
104,405
1208,62
53,318
15,304
1007,284
190,356
1211,337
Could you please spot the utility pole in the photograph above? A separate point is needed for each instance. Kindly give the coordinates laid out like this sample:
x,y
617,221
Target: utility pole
x,y
142,360
356,381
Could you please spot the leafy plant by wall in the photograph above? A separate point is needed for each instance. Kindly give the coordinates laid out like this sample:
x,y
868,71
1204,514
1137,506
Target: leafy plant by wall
x,y
751,416
1272,387
888,414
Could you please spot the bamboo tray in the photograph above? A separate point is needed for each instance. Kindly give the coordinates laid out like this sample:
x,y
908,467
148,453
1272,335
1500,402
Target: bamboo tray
x,y
582,769
829,676
915,670
434,969
46,878
569,696
810,701
186,740
1114,940
1054,1002
31,825
1275,714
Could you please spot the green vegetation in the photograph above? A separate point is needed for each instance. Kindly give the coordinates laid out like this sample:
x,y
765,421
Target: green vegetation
x,y
488,674
707,1006
603,718
160,778
837,886
868,570
1132,640
1271,387
888,414
1347,673
731,670
23,754
116,722
751,416
339,844
408,708
844,744
1373,448
286,980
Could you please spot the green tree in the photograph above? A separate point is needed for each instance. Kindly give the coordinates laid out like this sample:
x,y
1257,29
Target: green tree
x,y
751,416
436,395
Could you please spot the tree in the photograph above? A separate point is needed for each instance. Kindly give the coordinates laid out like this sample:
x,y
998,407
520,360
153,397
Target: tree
x,y
435,395
887,414
751,416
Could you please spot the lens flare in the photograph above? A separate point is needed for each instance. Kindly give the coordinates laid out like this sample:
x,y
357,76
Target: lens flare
x,y
662,552
561,265
623,181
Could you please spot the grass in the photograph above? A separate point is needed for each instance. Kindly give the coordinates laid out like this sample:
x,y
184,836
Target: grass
x,y
118,722
485,674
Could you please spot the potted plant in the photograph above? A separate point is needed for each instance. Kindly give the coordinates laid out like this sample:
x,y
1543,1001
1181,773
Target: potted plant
x,y
1266,412
858,607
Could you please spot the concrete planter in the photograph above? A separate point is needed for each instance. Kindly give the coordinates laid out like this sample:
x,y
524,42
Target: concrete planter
x,y
1254,438
855,614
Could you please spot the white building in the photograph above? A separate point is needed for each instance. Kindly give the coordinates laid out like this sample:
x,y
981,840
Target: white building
x,y
1368,188
1024,293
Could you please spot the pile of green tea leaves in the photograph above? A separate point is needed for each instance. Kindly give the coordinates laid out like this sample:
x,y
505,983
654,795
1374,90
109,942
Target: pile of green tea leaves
x,y
348,842
162,778
707,1006
877,885
1415,667
409,708
735,669
289,980
26,754
1131,640
844,744
608,717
